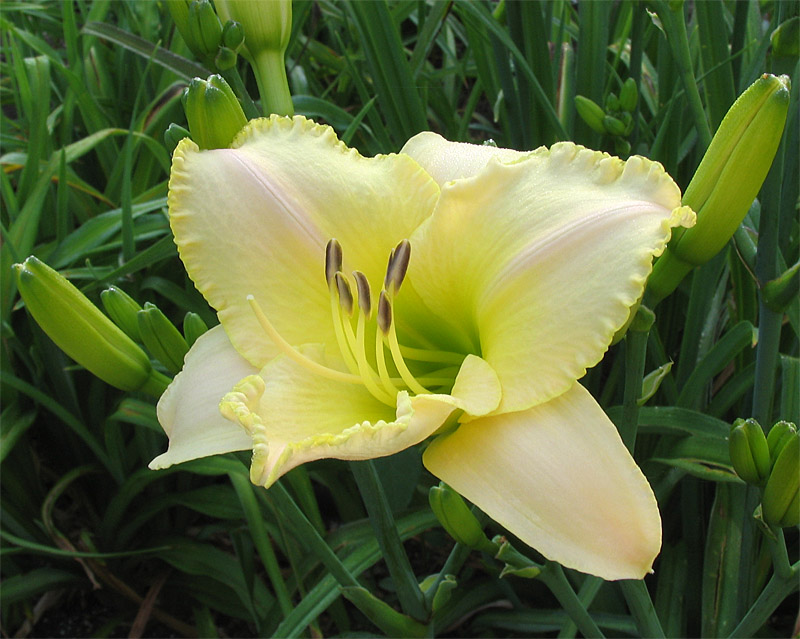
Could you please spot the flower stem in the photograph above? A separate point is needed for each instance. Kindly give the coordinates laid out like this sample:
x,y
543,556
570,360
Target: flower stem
x,y
380,514
304,529
635,353
675,28
554,578
641,607
773,594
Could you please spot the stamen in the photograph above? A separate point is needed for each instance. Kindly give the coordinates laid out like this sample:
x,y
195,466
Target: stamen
x,y
291,352
424,355
365,370
345,294
341,340
333,259
364,296
384,311
380,358
398,265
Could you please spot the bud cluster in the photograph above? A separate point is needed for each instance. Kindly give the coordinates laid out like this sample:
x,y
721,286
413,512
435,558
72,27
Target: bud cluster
x,y
772,463
615,118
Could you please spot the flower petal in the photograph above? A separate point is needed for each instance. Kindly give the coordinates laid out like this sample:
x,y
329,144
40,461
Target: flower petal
x,y
255,219
295,416
189,409
446,161
559,477
541,259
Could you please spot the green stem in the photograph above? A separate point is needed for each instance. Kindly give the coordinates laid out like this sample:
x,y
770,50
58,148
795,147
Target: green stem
x,y
588,591
635,354
380,514
675,29
273,85
554,578
773,594
260,536
780,556
304,529
249,107
641,607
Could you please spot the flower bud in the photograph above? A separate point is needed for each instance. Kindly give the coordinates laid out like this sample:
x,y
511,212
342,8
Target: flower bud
x,y
213,112
80,330
225,59
193,327
749,451
780,505
267,27
161,338
629,95
232,35
457,519
591,113
515,562
173,135
727,180
779,435
122,308
613,125
204,29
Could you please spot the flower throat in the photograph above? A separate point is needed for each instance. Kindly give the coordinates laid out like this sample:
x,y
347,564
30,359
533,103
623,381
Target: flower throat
x,y
370,369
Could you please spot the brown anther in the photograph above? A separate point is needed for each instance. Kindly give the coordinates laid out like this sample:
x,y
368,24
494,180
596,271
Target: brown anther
x,y
345,294
398,266
364,295
333,259
384,313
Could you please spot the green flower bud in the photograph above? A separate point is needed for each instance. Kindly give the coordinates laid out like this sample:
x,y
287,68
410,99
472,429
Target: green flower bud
x,y
749,451
515,562
456,518
629,96
591,113
213,112
232,35
614,125
267,27
622,147
226,59
779,435
174,134
122,308
727,180
193,327
81,330
781,504
161,338
204,29
612,103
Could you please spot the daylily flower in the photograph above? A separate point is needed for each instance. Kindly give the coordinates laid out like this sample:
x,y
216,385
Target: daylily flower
x,y
508,274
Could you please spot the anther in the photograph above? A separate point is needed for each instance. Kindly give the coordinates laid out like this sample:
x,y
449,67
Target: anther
x,y
345,294
333,260
364,296
384,313
398,265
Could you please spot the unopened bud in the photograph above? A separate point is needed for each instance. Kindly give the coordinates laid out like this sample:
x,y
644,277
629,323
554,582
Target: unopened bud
x,y
122,308
629,96
193,328
727,180
232,35
203,29
213,112
81,330
456,518
749,451
161,338
173,135
780,505
267,27
591,113
779,436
